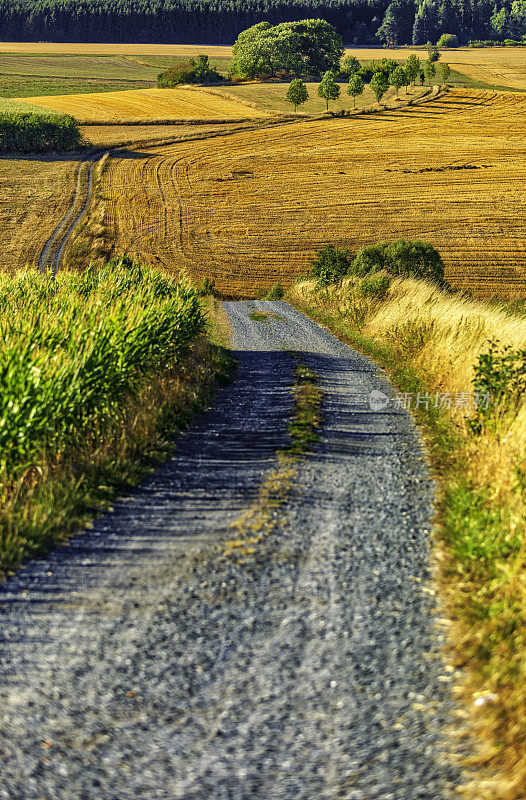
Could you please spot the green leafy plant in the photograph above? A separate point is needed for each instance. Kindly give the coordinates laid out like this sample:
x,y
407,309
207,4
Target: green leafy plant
x,y
297,93
499,382
37,133
448,40
331,264
379,85
374,287
191,71
356,87
328,88
275,293
402,258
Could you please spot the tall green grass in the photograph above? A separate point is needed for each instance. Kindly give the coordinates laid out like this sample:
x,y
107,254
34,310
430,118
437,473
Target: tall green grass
x,y
73,348
22,132
97,372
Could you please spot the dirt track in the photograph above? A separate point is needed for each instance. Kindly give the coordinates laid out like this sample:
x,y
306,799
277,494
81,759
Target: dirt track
x,y
141,662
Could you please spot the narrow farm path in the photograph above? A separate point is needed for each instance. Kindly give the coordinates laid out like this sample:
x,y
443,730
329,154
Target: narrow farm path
x,y
53,250
141,661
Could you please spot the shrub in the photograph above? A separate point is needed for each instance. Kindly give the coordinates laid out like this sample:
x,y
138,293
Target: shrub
x,y
500,374
448,40
191,71
331,264
207,287
26,133
401,258
375,287
275,293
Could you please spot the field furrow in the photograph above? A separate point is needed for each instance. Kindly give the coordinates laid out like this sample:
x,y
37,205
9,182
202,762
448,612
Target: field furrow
x,y
251,208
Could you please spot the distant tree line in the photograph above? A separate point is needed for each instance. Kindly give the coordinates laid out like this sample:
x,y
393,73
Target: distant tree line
x,y
220,21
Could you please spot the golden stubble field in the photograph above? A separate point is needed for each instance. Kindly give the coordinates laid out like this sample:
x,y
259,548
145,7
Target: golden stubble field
x,y
251,208
35,193
148,104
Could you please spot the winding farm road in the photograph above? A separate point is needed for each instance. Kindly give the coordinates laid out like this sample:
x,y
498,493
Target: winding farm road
x,y
139,662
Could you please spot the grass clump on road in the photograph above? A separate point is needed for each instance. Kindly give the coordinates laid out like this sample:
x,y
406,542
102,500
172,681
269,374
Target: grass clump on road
x,y
460,367
258,522
98,369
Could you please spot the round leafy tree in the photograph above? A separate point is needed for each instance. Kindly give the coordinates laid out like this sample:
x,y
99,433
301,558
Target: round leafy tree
x,y
356,86
307,47
297,93
379,85
328,88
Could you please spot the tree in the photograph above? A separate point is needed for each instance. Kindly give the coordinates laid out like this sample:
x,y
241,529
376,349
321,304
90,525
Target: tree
x,y
350,66
379,85
445,72
307,47
432,52
356,86
328,88
297,93
412,67
397,25
448,40
398,78
430,71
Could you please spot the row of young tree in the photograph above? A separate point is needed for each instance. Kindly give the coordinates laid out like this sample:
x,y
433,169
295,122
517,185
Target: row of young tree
x,y
220,21
383,75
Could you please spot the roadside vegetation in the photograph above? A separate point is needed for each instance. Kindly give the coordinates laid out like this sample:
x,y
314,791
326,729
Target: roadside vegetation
x,y
460,367
98,369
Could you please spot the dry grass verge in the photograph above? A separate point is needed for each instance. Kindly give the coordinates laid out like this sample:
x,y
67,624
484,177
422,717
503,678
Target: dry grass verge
x,y
429,342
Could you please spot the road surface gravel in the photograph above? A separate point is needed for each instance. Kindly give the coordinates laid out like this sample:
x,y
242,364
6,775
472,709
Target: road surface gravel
x,y
140,662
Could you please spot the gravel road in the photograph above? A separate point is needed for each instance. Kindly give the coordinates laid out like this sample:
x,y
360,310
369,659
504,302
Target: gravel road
x,y
139,662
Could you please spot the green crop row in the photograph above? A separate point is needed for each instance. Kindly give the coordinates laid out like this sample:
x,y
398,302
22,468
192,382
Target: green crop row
x,y
74,348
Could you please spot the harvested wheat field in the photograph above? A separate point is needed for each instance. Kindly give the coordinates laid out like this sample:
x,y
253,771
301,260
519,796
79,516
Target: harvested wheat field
x,y
140,135
35,192
148,104
112,49
499,66
250,209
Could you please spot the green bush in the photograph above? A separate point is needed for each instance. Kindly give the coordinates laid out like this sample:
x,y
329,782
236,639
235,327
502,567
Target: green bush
x,y
208,287
275,293
401,258
500,375
191,71
331,264
37,133
448,40
375,286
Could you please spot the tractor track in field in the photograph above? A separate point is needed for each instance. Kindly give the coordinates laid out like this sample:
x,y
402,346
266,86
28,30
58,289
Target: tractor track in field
x,y
52,252
141,661
51,255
